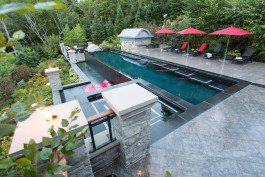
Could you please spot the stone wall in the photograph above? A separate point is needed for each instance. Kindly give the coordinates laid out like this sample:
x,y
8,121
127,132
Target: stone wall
x,y
134,134
132,44
105,156
80,163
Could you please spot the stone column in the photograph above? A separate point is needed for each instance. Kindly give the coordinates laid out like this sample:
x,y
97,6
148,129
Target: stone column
x,y
54,78
80,162
62,47
72,56
132,105
80,57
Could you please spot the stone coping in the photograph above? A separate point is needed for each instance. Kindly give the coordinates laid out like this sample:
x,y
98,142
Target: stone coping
x,y
128,98
37,125
52,70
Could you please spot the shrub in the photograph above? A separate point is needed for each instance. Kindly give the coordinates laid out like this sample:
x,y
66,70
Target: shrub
x,y
6,67
28,56
52,47
112,42
5,144
21,72
7,87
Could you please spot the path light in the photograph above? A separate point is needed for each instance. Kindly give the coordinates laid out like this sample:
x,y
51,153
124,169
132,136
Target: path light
x,y
139,172
34,104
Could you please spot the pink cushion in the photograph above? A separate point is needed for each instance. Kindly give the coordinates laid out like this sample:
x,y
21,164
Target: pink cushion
x,y
108,85
103,84
184,45
90,88
202,47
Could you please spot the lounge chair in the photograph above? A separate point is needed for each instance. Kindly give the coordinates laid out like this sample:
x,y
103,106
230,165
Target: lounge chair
x,y
172,47
216,51
154,45
247,55
201,49
183,47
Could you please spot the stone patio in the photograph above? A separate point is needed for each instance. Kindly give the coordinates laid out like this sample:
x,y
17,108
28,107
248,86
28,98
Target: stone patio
x,y
252,72
227,140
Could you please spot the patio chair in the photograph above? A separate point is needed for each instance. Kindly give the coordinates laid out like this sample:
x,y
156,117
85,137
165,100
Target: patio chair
x,y
201,49
216,51
247,56
183,47
154,45
172,47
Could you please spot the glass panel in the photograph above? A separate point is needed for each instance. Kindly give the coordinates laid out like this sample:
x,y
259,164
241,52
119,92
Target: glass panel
x,y
101,134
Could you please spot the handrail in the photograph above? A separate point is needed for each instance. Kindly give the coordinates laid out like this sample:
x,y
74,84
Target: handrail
x,y
100,115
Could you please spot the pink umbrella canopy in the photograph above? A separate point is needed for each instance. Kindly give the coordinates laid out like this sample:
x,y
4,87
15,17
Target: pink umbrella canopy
x,y
191,31
165,31
231,31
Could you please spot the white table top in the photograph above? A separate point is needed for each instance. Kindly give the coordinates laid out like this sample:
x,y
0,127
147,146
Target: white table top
x,y
123,100
37,125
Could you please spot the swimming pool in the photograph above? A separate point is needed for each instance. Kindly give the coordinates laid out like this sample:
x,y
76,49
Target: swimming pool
x,y
177,81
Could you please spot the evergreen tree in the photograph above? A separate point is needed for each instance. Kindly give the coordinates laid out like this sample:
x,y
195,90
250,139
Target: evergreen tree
x,y
98,32
79,35
66,34
137,18
119,22
110,28
75,36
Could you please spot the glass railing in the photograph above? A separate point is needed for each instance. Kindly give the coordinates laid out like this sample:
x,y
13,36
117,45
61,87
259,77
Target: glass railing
x,y
100,130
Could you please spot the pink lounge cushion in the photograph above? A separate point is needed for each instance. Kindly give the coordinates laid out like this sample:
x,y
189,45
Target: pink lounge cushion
x,y
108,85
203,46
90,88
184,45
103,84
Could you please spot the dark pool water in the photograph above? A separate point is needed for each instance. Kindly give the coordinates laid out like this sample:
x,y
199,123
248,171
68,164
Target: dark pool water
x,y
183,88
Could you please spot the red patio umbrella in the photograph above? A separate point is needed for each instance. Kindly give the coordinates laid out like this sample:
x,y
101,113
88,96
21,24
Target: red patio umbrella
x,y
231,31
165,31
190,31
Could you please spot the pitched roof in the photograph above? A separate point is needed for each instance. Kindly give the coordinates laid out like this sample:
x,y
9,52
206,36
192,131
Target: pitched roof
x,y
135,33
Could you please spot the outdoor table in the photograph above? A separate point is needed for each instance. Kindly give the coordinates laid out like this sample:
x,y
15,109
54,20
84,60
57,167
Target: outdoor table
x,y
37,125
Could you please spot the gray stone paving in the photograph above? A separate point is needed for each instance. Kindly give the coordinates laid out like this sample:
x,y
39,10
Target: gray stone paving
x,y
227,140
253,72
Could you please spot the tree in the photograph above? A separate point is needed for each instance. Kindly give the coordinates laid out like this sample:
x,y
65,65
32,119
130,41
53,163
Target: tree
x,y
79,35
109,28
119,22
98,32
75,36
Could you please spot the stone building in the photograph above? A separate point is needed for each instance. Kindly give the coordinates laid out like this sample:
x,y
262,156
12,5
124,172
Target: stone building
x,y
133,38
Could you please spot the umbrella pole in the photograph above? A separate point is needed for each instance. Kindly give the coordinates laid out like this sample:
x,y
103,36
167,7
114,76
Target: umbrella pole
x,y
226,48
188,46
